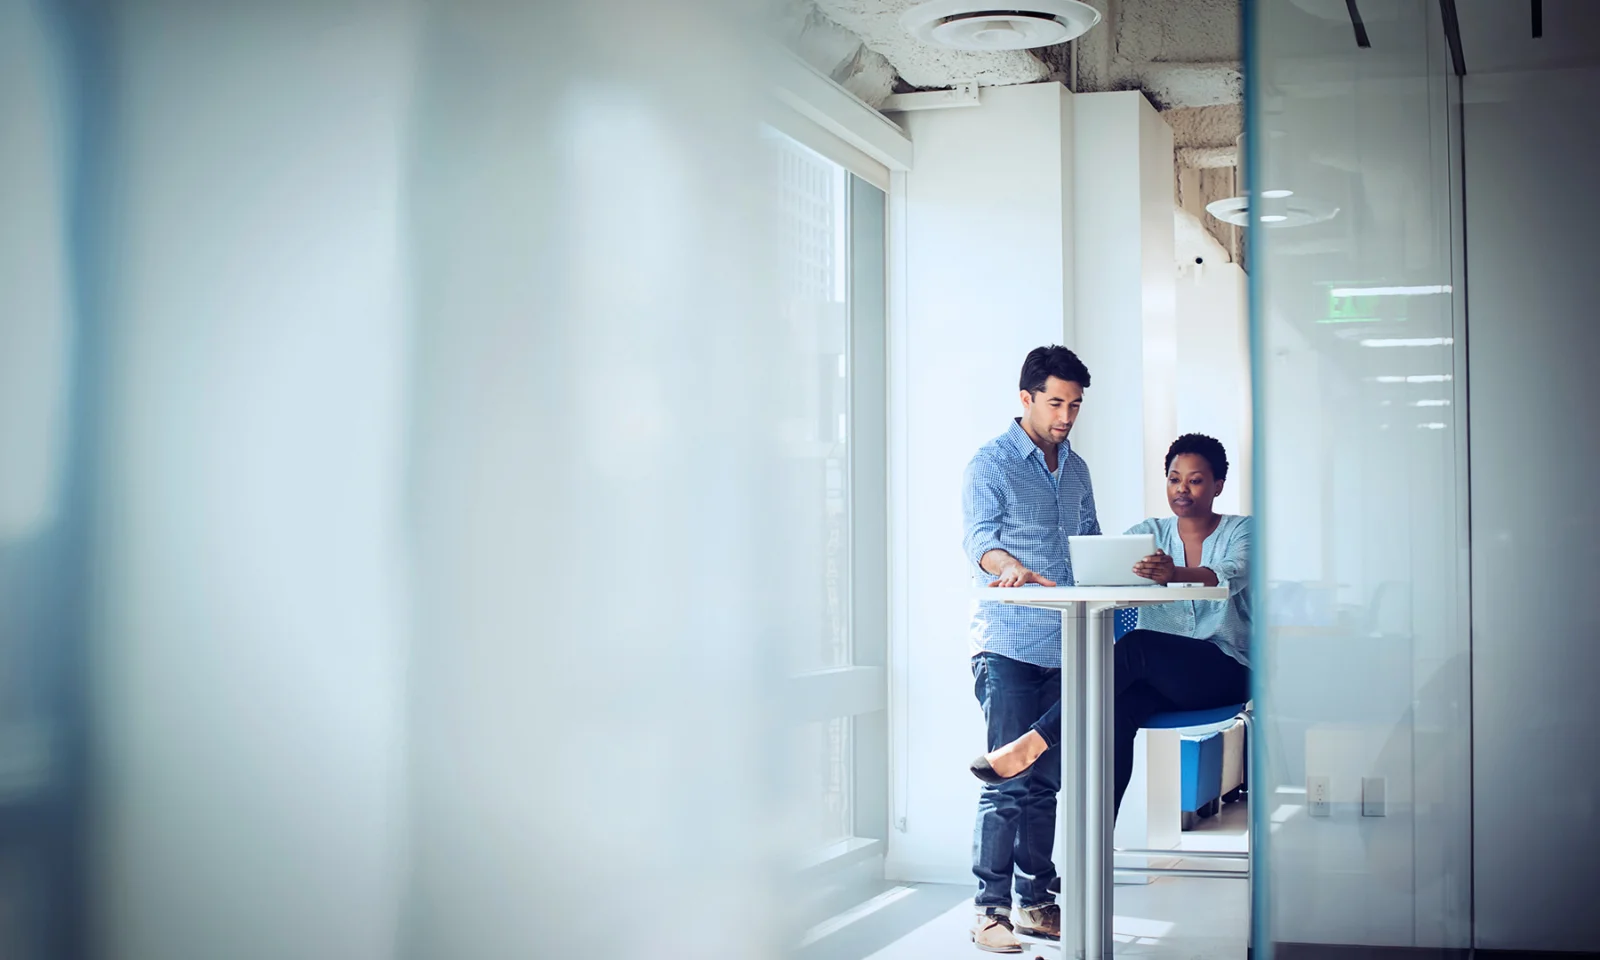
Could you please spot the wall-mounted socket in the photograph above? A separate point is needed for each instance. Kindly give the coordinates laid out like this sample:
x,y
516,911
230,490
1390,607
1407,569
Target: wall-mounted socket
x,y
1317,804
1373,802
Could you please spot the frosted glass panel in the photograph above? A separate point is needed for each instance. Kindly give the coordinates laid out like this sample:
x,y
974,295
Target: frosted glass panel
x,y
823,749
393,558
1531,136
1362,675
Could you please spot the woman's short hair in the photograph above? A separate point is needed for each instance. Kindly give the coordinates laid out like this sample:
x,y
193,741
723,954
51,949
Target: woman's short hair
x,y
1204,446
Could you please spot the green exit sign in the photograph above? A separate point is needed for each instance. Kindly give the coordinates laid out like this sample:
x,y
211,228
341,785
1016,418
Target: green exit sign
x,y
1363,303
1351,310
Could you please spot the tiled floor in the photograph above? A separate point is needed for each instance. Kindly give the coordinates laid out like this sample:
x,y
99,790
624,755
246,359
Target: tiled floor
x,y
1169,919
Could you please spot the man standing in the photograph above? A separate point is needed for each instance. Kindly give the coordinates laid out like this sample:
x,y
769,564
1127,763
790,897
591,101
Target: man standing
x,y
1024,494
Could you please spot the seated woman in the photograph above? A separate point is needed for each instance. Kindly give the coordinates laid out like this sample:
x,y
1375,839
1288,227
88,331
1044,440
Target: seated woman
x,y
1186,655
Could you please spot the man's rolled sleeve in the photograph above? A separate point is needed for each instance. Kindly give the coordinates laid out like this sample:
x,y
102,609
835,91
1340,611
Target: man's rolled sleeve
x,y
983,503
1089,520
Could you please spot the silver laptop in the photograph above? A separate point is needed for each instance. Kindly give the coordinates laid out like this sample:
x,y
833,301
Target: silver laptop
x,y
1108,561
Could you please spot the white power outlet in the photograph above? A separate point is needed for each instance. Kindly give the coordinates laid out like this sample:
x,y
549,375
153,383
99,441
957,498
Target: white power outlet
x,y
1317,803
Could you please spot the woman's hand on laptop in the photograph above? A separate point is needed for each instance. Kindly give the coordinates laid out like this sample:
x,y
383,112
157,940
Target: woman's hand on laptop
x,y
1015,575
1158,567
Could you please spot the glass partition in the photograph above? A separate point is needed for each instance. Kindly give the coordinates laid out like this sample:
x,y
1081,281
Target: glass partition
x,y
44,471
1363,823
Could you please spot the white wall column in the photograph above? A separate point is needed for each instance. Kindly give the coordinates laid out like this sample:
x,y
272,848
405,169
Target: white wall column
x,y
1125,300
1212,386
1124,295
981,256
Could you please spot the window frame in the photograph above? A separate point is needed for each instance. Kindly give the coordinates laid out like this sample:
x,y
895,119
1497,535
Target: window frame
x,y
858,690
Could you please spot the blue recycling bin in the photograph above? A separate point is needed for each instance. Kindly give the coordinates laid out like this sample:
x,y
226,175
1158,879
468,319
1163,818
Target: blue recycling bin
x,y
1201,783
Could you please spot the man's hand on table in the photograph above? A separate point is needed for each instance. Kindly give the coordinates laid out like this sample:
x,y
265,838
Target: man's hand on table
x,y
1015,575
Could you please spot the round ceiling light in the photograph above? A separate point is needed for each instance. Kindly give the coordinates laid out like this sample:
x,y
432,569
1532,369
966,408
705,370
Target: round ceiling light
x,y
1295,212
977,25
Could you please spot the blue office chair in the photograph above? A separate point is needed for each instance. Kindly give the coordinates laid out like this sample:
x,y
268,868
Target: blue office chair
x,y
1206,722
1201,722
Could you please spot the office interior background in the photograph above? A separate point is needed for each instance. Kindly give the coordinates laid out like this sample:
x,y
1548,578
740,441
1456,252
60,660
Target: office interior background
x,y
482,480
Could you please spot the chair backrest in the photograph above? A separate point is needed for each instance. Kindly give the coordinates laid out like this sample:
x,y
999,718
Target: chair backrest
x,y
1127,620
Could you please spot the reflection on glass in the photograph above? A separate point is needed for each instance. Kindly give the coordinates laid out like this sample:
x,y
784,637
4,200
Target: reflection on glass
x,y
41,591
33,283
1363,645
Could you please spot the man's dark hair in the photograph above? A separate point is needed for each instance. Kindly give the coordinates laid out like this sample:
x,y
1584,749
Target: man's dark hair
x,y
1208,447
1046,362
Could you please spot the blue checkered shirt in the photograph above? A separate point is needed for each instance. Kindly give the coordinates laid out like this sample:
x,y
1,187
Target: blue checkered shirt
x,y
1011,502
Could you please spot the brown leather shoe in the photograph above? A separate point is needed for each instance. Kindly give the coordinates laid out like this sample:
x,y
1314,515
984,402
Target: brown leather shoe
x,y
992,932
1043,921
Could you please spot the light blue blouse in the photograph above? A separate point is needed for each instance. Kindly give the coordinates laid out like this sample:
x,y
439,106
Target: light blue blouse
x,y
1226,552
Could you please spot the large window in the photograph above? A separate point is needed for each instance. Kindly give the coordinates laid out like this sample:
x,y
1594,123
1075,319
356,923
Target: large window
x,y
830,229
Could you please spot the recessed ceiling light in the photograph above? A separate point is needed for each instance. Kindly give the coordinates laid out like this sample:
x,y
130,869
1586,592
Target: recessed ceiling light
x,y
1390,291
1276,194
1409,342
1296,212
979,25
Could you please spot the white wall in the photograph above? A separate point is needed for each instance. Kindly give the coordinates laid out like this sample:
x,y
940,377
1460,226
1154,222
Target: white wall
x,y
1157,311
984,244
1212,383
1531,140
1125,299
1123,289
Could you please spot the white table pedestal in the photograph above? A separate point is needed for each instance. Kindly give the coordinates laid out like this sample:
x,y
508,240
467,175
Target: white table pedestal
x,y
1085,808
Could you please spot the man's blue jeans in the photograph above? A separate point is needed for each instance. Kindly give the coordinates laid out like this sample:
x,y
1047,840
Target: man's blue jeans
x,y
1016,827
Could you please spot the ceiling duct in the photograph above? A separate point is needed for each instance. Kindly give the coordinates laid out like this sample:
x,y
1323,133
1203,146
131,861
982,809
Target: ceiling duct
x,y
991,25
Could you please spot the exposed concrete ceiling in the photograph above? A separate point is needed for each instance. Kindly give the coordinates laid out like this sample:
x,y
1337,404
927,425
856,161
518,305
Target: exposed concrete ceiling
x,y
1183,54
1207,128
1186,57
921,65
835,51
